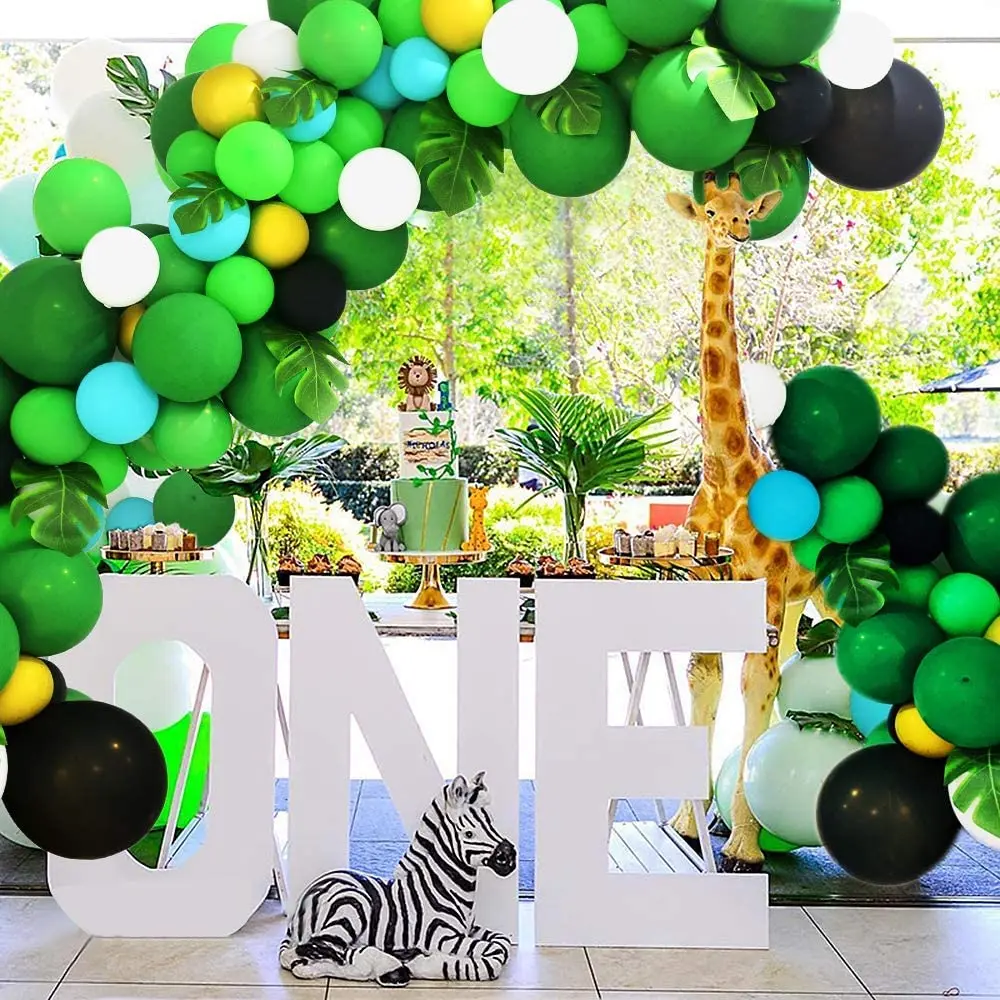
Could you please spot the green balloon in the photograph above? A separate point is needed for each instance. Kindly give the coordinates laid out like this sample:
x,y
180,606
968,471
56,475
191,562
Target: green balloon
x,y
109,462
358,126
191,152
252,397
12,388
957,691
399,20
777,32
678,120
180,500
908,463
659,25
914,587
770,843
973,520
879,735
879,657
601,44
52,330
807,549
213,47
341,42
173,741
75,199
364,258
625,76
187,347
403,134
14,536
10,646
45,426
244,286
850,509
474,95
254,160
829,425
143,453
172,116
192,435
54,599
73,695
178,271
150,229
569,166
964,604
290,12
313,186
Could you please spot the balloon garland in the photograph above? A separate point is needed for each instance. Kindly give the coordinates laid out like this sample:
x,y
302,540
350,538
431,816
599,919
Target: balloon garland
x,y
139,331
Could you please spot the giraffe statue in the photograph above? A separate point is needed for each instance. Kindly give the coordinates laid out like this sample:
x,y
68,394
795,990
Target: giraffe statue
x,y
733,460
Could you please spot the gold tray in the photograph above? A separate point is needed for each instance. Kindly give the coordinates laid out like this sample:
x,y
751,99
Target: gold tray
x,y
157,560
609,557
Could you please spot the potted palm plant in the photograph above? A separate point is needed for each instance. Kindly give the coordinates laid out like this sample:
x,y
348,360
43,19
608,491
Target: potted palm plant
x,y
580,444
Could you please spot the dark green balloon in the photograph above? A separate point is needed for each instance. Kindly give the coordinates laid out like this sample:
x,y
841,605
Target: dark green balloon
x,y
151,229
625,75
879,735
402,134
957,691
807,549
908,463
180,500
291,12
52,330
914,587
172,116
658,24
12,388
879,657
569,166
829,425
777,32
178,271
252,397
973,520
364,258
9,454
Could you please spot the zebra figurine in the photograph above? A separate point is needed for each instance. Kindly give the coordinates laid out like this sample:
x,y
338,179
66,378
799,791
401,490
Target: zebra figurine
x,y
418,924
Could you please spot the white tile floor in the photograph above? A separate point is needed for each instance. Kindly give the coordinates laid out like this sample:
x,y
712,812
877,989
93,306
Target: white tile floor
x,y
820,954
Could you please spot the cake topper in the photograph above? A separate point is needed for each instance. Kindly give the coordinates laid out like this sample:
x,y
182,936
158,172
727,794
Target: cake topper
x,y
389,522
444,396
417,378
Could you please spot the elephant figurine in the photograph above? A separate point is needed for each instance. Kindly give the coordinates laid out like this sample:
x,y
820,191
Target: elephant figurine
x,y
389,520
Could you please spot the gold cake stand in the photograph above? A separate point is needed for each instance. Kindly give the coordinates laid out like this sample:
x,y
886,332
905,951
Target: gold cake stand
x,y
157,560
718,567
431,595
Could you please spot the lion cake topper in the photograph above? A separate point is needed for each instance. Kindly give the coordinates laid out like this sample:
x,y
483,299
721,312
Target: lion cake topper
x,y
417,378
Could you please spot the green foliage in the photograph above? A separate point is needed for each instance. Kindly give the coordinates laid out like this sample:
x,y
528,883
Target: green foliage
x,y
484,465
205,200
57,499
820,640
487,466
573,108
853,577
359,497
977,790
131,80
738,90
765,167
826,722
364,462
294,98
965,465
313,360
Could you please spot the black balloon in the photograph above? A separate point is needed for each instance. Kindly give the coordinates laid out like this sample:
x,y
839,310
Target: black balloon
x,y
86,779
881,137
884,815
917,533
803,106
58,683
9,454
310,295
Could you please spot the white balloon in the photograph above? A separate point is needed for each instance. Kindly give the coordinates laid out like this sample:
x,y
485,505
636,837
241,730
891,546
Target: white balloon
x,y
939,502
530,46
101,129
10,830
81,72
150,199
270,48
379,188
120,266
813,684
156,682
786,236
764,390
859,53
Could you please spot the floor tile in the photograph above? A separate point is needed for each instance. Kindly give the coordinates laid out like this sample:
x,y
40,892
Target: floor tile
x,y
129,991
651,995
39,940
799,960
249,958
25,991
918,951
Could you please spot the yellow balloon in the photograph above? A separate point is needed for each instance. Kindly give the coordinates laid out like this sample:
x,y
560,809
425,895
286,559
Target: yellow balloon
x,y
126,328
28,691
993,632
226,96
914,734
279,235
456,25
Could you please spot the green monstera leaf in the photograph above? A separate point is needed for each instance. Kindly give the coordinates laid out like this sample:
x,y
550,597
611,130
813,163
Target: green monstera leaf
x,y
314,360
820,640
573,108
976,793
243,471
131,79
57,499
205,201
738,90
294,98
766,168
854,577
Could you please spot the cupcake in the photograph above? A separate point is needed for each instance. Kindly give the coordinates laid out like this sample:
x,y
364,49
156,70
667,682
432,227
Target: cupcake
x,y
580,569
348,566
288,566
523,570
319,565
551,569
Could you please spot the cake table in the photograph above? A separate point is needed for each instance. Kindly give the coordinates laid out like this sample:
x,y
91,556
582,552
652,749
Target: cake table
x,y
157,561
431,595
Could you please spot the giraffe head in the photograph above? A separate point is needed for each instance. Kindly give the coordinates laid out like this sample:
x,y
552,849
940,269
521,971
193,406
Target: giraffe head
x,y
726,213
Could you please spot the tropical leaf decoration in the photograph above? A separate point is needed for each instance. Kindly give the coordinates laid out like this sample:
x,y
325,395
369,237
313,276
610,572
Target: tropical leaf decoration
x,y
738,90
458,157
976,777
57,499
131,80
306,458
46,249
243,471
766,168
826,722
854,577
203,202
573,108
312,359
820,640
295,98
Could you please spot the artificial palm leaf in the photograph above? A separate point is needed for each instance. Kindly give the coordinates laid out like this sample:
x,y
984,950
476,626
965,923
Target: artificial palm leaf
x,y
854,577
131,80
573,108
738,90
203,201
295,98
312,360
243,471
976,793
306,458
764,168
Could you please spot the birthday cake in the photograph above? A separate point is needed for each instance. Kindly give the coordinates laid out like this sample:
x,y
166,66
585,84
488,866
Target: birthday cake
x,y
435,497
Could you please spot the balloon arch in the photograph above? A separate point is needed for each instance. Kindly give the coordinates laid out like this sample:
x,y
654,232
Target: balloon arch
x,y
139,328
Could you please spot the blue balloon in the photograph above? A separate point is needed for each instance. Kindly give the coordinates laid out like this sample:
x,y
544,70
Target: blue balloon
x,y
866,714
18,229
60,152
783,505
378,89
218,240
311,129
97,539
131,513
114,404
419,69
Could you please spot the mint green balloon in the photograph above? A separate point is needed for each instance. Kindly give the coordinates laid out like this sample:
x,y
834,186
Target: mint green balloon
x,y
213,47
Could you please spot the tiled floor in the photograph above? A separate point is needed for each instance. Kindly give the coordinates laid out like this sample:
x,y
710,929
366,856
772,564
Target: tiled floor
x,y
816,954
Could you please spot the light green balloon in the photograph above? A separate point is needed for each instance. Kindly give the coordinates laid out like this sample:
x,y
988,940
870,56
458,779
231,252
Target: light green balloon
x,y
144,454
601,45
254,160
191,152
45,426
14,536
358,126
109,462
341,42
474,95
213,47
315,179
244,286
192,435
399,20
